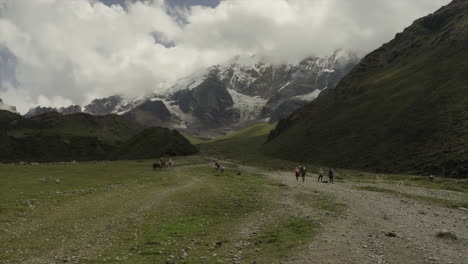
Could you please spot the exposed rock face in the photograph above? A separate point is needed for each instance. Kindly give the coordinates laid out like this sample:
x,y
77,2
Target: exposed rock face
x,y
105,106
150,113
39,110
73,109
248,90
210,103
225,97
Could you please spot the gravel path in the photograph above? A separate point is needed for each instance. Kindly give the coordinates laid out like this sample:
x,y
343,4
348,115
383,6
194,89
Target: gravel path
x,y
365,233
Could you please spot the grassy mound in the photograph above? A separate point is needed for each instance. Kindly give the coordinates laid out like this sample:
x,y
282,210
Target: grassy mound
x,y
154,143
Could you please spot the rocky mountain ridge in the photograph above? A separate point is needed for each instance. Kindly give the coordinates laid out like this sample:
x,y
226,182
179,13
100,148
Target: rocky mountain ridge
x,y
226,97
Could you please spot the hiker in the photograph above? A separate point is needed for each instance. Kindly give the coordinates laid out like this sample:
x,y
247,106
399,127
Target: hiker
x,y
320,177
331,174
303,173
296,171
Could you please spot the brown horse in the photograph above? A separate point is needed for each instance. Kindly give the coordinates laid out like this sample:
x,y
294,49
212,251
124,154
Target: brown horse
x,y
157,165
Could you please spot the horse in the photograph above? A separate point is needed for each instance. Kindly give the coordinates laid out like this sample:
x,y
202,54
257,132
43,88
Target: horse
x,y
157,165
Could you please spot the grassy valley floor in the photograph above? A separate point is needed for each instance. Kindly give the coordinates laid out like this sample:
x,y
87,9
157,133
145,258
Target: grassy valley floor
x,y
124,212
254,212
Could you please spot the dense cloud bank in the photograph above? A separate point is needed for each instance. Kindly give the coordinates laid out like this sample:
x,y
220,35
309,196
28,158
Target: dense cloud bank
x,y
69,52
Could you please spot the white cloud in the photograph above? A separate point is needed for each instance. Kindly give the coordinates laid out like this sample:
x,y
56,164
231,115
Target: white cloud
x,y
75,50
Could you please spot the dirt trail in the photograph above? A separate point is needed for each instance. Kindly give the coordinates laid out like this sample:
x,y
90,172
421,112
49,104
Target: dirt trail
x,y
363,234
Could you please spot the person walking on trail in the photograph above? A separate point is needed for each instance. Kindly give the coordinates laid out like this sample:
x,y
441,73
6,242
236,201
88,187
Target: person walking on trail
x,y
320,177
297,172
331,175
303,173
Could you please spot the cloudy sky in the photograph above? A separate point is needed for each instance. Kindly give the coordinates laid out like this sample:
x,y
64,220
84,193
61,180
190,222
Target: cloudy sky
x,y
62,52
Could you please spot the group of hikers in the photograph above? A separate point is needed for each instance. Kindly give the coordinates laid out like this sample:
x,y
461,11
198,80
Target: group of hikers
x,y
161,163
301,171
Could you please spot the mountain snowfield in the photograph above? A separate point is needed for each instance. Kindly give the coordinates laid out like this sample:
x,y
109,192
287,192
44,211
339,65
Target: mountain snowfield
x,y
221,98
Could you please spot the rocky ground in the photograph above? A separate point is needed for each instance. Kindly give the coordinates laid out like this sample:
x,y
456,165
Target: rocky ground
x,y
385,228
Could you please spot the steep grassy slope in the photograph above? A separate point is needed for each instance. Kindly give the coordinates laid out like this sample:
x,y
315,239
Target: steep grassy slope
x,y
403,108
153,143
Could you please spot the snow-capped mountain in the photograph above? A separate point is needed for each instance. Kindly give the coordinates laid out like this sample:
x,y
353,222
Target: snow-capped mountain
x,y
6,107
224,97
247,90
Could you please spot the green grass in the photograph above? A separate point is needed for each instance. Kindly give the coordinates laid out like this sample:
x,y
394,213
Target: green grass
x,y
429,199
276,240
25,186
207,213
194,139
244,146
438,183
124,211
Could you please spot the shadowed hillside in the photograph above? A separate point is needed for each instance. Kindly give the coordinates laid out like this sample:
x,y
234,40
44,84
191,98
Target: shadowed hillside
x,y
155,142
403,108
56,137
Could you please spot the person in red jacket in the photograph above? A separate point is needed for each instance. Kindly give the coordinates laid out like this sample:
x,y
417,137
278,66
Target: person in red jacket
x,y
297,172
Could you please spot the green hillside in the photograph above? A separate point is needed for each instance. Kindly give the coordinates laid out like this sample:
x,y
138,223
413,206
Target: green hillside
x,y
244,146
153,143
403,108
55,137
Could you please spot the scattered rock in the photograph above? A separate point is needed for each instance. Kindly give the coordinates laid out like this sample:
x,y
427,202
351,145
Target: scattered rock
x,y
391,234
218,244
